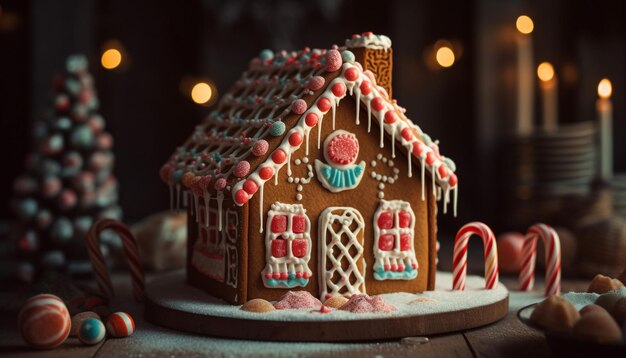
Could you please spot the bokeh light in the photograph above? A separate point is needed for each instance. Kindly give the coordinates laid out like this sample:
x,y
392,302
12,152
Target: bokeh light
x,y
445,56
605,89
111,58
524,24
545,71
201,93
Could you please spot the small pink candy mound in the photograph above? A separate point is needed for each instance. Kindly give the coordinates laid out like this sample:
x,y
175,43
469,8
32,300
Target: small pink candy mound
x,y
298,106
241,169
297,300
316,83
333,61
367,304
260,147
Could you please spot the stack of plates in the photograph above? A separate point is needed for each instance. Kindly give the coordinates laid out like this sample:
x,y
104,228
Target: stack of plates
x,y
618,185
545,167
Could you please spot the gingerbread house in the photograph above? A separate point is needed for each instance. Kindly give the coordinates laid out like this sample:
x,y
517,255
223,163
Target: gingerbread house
x,y
309,176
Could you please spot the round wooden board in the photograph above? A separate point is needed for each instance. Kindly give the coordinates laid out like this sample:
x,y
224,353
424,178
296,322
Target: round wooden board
x,y
171,303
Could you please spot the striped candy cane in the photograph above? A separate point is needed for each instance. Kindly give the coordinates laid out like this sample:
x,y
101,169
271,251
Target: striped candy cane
x,y
459,268
130,251
552,245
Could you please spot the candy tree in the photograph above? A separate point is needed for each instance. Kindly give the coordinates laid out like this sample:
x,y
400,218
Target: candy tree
x,y
68,181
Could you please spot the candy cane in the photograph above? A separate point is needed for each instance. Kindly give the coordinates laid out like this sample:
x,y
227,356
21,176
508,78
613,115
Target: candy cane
x,y
459,267
130,251
552,245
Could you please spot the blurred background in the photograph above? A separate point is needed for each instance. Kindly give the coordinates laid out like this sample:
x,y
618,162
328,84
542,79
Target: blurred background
x,y
526,148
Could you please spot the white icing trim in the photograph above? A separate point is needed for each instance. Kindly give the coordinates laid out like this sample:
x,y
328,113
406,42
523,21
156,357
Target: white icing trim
x,y
335,251
378,42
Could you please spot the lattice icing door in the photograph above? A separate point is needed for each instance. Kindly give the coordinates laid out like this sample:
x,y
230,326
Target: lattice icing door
x,y
342,266
287,246
208,255
394,224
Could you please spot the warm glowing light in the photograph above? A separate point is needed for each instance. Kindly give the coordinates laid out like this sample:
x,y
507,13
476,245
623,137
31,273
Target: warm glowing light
x,y
605,89
545,71
111,58
525,24
201,93
445,56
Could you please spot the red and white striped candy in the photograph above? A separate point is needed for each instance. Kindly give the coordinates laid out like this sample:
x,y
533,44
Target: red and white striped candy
x,y
130,251
44,321
120,324
459,268
552,244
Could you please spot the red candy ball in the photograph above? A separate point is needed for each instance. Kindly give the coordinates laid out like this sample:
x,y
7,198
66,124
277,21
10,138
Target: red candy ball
x,y
279,156
510,252
44,321
241,169
250,186
443,171
316,83
323,104
378,104
298,106
311,119
266,172
453,180
120,324
339,89
407,134
295,139
351,74
333,60
366,88
241,196
390,117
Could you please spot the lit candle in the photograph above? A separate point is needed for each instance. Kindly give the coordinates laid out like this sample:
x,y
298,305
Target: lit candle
x,y
604,107
525,85
549,94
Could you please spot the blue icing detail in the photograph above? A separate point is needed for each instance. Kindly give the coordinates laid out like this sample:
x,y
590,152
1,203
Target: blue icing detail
x,y
408,274
177,176
277,128
217,156
27,208
426,139
340,178
347,56
62,230
289,283
266,54
82,137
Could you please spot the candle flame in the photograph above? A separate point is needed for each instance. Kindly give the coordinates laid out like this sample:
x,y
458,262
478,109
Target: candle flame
x,y
605,89
524,24
545,71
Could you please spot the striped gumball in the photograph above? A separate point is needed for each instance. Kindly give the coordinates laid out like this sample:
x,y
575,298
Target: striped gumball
x,y
44,321
120,324
552,243
459,264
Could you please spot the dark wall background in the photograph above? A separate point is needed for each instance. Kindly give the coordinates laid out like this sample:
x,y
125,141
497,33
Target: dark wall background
x,y
169,41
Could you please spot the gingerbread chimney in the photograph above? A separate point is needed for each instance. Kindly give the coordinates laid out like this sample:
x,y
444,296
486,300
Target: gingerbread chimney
x,y
374,53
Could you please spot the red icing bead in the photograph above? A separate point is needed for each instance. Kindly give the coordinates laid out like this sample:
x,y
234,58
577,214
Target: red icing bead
x,y
276,275
266,172
366,88
351,74
405,242
323,104
386,242
333,61
385,220
268,275
298,274
430,158
279,156
343,149
387,267
418,148
414,266
295,139
299,247
401,267
390,116
407,134
443,171
250,186
378,104
339,89
404,219
311,119
394,267
298,224
284,275
279,224
453,180
241,196
279,248
306,275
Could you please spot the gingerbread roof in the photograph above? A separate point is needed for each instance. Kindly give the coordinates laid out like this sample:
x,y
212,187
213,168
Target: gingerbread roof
x,y
270,111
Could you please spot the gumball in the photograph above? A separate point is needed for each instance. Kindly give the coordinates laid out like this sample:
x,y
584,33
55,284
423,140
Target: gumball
x,y
120,324
44,321
104,141
78,319
82,137
91,331
50,187
510,252
67,199
62,230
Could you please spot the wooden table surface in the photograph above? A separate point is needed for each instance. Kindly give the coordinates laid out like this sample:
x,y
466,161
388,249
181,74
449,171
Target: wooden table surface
x,y
506,338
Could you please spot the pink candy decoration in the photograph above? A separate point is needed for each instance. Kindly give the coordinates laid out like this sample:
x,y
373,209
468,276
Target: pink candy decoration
x,y
552,245
343,149
367,304
242,169
459,262
298,106
316,83
260,147
297,300
333,61
510,252
220,184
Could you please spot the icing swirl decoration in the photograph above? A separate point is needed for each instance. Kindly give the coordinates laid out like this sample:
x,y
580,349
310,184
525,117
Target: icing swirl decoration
x,y
341,149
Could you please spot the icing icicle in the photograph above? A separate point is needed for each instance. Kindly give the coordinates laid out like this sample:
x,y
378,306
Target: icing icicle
x,y
358,105
410,159
220,201
369,116
261,209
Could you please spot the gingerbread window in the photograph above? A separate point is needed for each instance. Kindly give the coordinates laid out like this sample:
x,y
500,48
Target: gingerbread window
x,y
394,224
288,246
208,255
